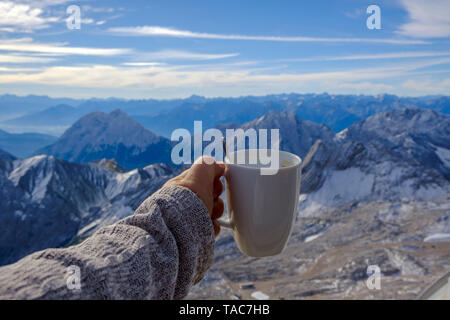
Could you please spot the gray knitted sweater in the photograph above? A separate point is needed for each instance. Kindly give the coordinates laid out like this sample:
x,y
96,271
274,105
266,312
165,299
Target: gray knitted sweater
x,y
157,253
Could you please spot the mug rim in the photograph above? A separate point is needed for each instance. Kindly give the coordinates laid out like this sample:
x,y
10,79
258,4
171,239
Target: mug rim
x,y
227,161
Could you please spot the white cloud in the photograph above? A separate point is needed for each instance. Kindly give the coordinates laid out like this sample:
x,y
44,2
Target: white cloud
x,y
7,29
389,55
366,86
427,19
89,8
162,76
87,21
141,79
23,17
16,70
355,14
14,58
142,64
43,3
185,55
27,45
157,31
428,86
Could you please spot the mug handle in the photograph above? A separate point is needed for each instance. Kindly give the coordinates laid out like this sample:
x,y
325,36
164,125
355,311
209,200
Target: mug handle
x,y
226,223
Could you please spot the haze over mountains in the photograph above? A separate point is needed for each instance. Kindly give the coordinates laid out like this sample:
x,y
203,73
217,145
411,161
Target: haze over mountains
x,y
39,114
24,144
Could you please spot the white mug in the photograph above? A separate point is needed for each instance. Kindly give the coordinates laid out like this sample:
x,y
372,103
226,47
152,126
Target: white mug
x,y
261,208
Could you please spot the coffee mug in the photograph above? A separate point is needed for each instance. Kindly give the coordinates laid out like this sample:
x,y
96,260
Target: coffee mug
x,y
261,208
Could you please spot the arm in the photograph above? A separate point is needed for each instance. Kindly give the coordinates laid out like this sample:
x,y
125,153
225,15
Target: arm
x,y
158,253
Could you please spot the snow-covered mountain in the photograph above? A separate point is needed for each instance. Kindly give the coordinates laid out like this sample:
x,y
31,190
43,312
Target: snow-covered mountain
x,y
101,135
387,157
375,194
47,202
392,155
419,135
296,135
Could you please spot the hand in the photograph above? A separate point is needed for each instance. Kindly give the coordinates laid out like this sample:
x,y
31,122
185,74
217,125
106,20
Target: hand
x,y
203,178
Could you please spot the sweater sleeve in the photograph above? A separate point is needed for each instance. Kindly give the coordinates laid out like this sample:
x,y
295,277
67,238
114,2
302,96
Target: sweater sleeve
x,y
157,253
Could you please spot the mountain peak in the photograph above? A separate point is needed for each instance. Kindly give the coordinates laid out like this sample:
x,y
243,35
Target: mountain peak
x,y
295,134
400,122
110,164
118,113
110,135
110,128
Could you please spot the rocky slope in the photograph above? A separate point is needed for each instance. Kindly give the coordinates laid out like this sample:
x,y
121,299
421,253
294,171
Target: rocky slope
x,y
47,202
375,194
389,156
327,256
296,135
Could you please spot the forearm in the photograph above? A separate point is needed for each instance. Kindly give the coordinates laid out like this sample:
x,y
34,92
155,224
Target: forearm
x,y
157,253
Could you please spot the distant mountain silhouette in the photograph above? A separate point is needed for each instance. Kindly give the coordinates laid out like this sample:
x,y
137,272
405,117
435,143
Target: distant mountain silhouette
x,y
23,145
163,116
61,115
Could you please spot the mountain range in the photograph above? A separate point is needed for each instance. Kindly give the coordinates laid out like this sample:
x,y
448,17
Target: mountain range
x,y
38,114
48,202
23,145
377,192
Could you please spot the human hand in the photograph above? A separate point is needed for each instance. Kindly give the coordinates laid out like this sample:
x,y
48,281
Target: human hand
x,y
203,178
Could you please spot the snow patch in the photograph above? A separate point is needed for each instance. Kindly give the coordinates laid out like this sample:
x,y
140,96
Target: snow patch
x,y
343,186
40,188
341,135
258,295
313,237
20,214
122,182
438,237
444,155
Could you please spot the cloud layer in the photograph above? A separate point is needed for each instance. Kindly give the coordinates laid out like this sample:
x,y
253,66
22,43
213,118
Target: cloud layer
x,y
427,19
157,31
28,45
22,17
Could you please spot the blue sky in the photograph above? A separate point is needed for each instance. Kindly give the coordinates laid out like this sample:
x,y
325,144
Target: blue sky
x,y
168,49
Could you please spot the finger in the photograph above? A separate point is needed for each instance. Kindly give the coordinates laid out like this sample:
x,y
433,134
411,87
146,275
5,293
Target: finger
x,y
219,169
218,187
216,228
214,169
217,210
